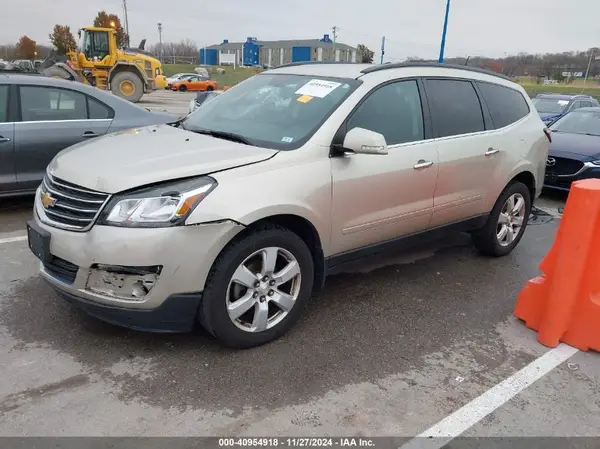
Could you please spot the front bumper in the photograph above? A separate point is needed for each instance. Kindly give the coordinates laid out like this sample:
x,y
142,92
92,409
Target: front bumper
x,y
563,182
185,255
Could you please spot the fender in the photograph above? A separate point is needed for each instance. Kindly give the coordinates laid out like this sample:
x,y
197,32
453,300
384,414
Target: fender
x,y
68,69
129,65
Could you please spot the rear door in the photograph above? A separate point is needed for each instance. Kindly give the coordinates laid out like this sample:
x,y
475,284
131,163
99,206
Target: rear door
x,y
8,178
468,157
53,119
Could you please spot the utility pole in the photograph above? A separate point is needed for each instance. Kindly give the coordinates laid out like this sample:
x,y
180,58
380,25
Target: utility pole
x,y
587,72
160,41
443,44
126,20
334,29
382,48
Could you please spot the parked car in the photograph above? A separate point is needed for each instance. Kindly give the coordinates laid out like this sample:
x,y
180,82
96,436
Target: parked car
x,y
551,107
236,214
575,150
178,77
40,116
194,84
201,99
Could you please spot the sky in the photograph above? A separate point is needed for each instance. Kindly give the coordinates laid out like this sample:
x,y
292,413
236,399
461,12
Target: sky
x,y
492,28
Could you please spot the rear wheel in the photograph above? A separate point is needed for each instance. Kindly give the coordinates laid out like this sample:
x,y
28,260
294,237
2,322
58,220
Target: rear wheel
x,y
257,288
507,222
182,88
127,85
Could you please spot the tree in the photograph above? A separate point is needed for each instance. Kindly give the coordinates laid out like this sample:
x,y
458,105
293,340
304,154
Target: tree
x,y
364,54
26,48
62,39
105,20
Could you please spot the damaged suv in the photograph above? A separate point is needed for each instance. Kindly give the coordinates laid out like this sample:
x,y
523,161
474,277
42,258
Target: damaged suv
x,y
235,215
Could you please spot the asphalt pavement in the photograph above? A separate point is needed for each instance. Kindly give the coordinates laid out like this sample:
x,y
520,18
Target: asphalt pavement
x,y
395,346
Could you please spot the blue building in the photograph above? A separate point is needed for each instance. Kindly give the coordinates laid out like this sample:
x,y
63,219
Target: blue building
x,y
274,53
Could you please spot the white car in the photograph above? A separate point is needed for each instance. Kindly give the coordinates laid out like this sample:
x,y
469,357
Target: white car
x,y
178,77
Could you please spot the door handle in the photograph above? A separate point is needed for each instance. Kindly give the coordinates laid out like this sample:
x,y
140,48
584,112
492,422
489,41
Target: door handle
x,y
89,134
422,164
4,139
491,151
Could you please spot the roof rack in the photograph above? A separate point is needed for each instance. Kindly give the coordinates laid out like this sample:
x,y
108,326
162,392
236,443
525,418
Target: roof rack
x,y
294,64
399,65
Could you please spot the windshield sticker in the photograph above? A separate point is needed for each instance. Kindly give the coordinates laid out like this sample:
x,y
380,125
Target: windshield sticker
x,y
318,88
304,99
287,139
563,102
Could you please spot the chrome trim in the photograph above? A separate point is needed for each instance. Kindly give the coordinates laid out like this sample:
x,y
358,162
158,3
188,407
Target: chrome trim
x,y
56,214
66,121
88,192
72,198
75,209
46,219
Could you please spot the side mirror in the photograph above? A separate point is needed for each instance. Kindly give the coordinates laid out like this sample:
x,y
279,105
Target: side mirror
x,y
363,141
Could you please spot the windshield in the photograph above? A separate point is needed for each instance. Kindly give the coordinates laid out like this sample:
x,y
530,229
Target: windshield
x,y
273,111
579,122
550,105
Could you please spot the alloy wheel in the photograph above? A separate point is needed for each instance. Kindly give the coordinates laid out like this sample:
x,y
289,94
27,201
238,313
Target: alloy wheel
x,y
511,219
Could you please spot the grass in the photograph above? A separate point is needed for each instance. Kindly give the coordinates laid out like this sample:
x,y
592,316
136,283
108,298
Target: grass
x,y
234,76
231,77
592,88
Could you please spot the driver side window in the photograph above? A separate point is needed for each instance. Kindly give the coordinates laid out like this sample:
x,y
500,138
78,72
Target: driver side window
x,y
393,110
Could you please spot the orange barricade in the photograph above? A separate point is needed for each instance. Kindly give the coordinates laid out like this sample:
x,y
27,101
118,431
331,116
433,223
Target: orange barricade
x,y
563,304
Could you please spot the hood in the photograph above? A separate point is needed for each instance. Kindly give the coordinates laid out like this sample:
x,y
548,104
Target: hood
x,y
580,146
142,156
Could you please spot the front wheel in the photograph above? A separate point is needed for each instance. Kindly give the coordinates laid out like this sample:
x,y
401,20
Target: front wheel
x,y
507,222
210,88
182,88
257,288
127,85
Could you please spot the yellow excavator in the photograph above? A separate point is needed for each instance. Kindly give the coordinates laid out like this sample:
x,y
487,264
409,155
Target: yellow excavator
x,y
128,73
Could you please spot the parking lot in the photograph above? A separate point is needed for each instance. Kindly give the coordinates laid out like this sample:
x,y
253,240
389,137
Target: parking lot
x,y
397,347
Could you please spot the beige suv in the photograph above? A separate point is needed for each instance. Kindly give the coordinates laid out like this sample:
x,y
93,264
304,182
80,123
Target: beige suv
x,y
235,215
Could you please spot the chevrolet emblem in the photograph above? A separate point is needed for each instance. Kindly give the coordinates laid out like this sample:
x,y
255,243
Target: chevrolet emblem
x,y
47,200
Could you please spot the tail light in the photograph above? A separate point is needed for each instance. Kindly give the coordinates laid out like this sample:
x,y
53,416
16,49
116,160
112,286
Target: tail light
x,y
548,134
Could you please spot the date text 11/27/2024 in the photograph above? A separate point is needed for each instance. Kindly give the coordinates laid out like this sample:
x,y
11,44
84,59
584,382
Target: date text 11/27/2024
x,y
295,442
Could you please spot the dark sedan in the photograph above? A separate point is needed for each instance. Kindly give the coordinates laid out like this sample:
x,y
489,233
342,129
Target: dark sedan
x,y
575,150
41,116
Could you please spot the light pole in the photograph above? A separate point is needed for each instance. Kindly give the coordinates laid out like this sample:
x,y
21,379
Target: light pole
x,y
443,45
587,72
160,54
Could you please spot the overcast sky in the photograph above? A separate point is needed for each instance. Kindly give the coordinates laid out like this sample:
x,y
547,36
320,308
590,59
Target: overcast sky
x,y
411,27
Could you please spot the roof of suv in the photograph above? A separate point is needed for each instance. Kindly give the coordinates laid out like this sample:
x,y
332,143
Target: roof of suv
x,y
563,96
357,70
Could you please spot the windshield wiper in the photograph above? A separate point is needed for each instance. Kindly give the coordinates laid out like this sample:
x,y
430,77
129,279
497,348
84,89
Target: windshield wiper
x,y
223,135
178,124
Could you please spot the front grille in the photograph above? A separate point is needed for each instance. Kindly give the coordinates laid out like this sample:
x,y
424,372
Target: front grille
x,y
70,206
61,269
564,166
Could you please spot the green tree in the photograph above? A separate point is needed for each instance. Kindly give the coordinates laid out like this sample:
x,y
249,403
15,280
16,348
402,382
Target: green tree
x,y
364,54
105,20
62,39
26,48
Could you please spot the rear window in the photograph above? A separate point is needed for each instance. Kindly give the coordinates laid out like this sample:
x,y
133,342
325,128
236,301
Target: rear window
x,y
550,105
455,107
506,105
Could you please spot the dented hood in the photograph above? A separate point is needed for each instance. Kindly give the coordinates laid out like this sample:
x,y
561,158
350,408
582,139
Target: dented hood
x,y
141,156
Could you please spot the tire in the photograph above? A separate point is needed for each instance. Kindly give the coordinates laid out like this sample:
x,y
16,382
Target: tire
x,y
182,88
239,333
487,240
210,89
57,72
133,82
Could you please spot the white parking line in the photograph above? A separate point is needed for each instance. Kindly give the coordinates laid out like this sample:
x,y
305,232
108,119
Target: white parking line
x,y
461,420
13,239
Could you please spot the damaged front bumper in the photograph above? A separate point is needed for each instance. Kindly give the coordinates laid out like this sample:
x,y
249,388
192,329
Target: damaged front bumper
x,y
143,278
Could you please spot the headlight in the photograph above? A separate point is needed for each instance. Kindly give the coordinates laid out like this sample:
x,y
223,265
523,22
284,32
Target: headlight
x,y
164,205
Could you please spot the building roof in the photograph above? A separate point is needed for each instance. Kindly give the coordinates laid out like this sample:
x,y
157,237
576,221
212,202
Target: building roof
x,y
315,43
